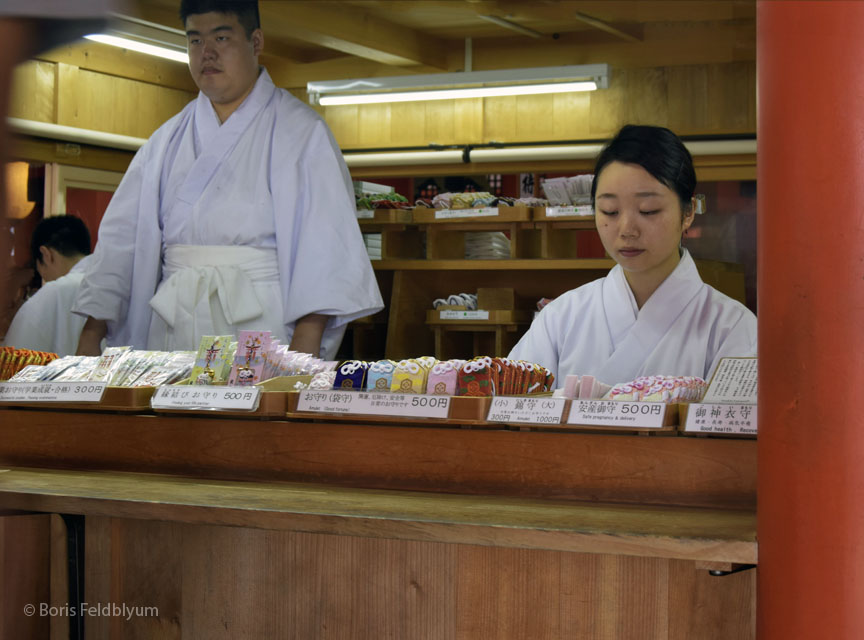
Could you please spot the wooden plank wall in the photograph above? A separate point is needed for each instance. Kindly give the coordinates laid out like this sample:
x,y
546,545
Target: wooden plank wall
x,y
689,99
285,584
705,99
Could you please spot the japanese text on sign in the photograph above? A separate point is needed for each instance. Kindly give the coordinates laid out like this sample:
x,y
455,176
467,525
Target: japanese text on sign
x,y
734,382
457,314
52,391
574,210
544,410
206,397
374,404
722,418
611,413
466,213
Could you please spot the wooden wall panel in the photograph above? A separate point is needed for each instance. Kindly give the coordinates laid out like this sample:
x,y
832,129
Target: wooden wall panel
x,y
407,124
687,94
535,118
571,116
224,582
33,94
691,100
117,105
439,120
499,119
25,561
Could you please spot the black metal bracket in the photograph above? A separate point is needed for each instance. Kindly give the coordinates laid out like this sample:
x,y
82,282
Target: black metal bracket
x,y
737,569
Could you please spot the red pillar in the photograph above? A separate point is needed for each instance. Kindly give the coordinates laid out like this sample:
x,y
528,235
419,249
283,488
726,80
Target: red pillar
x,y
811,320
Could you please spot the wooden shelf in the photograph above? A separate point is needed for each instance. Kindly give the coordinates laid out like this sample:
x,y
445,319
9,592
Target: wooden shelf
x,y
538,264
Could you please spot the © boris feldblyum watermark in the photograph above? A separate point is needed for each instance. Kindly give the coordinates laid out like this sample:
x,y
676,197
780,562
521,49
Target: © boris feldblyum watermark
x,y
91,610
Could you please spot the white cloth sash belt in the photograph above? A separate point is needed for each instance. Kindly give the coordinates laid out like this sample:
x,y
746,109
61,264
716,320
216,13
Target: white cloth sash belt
x,y
195,278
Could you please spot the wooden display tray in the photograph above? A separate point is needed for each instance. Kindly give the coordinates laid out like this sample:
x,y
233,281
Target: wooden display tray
x,y
519,213
388,216
540,214
115,399
464,411
496,316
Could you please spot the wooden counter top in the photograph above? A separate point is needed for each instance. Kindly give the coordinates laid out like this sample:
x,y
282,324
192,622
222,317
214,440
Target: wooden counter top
x,y
638,530
692,472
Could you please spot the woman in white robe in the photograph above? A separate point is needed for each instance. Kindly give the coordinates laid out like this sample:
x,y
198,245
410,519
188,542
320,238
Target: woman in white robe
x,y
652,315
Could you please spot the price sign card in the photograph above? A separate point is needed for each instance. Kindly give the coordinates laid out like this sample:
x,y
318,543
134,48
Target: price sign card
x,y
441,214
574,210
611,413
734,382
721,418
543,410
52,391
407,405
456,314
365,214
206,397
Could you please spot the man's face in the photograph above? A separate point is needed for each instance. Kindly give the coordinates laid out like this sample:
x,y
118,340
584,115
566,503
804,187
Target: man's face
x,y
222,60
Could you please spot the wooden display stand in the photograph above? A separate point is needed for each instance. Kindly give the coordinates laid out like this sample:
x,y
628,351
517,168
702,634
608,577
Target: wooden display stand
x,y
503,323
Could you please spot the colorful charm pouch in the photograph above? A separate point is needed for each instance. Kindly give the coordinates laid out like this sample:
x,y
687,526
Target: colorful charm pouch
x,y
443,378
475,378
409,376
380,375
351,375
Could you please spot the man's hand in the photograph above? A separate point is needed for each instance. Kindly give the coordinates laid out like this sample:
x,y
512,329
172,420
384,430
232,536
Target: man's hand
x,y
90,342
307,334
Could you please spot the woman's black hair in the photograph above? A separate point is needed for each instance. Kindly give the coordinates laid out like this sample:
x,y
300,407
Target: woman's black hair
x,y
657,150
245,10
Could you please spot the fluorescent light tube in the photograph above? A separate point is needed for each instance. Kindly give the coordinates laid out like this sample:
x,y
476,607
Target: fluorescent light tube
x,y
141,47
450,94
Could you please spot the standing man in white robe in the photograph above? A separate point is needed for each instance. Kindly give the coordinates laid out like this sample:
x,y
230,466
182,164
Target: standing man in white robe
x,y
237,214
60,247
652,315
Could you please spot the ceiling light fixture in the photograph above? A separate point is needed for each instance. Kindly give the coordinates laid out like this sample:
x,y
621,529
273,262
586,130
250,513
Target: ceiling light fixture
x,y
471,84
144,37
140,47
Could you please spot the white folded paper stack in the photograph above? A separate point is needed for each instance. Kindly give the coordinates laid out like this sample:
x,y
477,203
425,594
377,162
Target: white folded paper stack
x,y
486,245
573,190
373,245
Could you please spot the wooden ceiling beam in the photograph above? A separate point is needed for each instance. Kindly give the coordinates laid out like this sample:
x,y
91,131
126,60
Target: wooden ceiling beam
x,y
605,26
353,31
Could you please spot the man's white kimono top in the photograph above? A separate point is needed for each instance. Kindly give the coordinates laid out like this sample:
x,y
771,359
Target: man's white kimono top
x,y
683,329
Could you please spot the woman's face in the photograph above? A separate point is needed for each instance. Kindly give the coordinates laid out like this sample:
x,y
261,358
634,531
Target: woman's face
x,y
639,220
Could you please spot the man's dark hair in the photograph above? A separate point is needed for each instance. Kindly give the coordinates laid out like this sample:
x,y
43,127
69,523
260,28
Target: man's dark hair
x,y
657,150
67,235
245,10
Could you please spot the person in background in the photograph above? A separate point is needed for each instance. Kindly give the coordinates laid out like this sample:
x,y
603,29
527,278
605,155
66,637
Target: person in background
x,y
238,213
60,247
26,28
652,314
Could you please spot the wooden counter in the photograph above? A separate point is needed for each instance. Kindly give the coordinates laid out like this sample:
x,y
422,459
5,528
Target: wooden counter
x,y
277,529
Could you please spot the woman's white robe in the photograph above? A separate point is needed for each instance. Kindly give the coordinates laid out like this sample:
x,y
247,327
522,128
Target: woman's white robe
x,y
684,328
